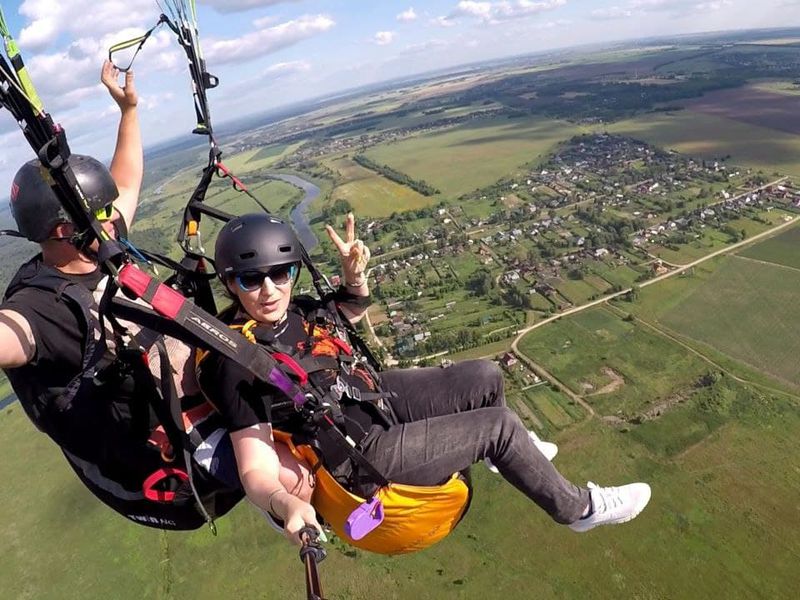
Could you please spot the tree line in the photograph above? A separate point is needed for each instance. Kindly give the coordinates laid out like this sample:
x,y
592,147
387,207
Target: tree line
x,y
417,185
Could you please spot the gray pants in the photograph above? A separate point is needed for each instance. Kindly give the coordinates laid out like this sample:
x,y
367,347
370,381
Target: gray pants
x,y
448,419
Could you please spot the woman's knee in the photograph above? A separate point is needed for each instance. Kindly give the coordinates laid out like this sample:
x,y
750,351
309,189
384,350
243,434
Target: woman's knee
x,y
487,376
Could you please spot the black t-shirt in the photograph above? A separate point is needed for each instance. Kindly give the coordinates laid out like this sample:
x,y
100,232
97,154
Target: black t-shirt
x,y
96,411
58,330
245,401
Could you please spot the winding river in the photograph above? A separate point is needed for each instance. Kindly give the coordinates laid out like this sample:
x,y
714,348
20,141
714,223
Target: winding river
x,y
299,214
7,401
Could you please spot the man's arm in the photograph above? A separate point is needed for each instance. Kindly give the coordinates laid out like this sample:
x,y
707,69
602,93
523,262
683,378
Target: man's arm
x,y
17,345
127,166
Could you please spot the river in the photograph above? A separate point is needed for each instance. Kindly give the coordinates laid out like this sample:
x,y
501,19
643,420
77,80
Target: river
x,y
299,214
7,401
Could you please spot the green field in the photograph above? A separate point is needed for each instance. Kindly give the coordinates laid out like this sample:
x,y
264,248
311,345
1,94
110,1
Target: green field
x,y
747,310
473,156
783,249
708,136
577,349
549,403
372,195
503,546
778,87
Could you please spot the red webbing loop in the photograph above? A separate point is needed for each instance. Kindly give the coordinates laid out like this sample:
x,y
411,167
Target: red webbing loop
x,y
290,362
162,495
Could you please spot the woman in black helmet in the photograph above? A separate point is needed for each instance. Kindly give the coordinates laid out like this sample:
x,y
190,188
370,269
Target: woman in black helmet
x,y
416,426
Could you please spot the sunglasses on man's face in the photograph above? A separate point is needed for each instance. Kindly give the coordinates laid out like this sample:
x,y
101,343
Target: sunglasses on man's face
x,y
105,213
249,281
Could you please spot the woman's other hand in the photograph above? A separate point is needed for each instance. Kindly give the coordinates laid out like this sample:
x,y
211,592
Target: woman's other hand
x,y
353,253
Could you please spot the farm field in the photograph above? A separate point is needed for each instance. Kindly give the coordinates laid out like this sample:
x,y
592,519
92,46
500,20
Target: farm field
x,y
751,105
372,195
592,350
778,87
783,249
472,156
710,136
746,310
553,406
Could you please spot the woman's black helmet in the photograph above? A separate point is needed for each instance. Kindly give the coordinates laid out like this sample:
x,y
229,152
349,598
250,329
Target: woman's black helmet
x,y
255,242
35,206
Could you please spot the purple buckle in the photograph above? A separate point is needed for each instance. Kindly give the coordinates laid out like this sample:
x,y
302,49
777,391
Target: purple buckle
x,y
281,381
364,519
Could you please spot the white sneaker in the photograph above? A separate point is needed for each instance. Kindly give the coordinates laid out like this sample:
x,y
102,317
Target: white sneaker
x,y
613,505
549,449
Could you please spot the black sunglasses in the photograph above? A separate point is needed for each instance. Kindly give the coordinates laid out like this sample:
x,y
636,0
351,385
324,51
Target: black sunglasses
x,y
249,281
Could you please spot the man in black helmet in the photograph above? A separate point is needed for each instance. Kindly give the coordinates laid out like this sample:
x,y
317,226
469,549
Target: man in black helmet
x,y
33,328
49,321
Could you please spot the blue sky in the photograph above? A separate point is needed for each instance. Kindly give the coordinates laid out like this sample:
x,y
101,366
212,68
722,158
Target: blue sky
x,y
270,53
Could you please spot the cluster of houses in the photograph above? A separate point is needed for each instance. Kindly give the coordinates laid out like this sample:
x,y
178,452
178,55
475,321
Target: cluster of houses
x,y
634,179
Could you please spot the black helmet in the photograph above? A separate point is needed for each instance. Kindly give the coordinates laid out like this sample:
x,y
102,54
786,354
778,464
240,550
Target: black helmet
x,y
35,206
254,242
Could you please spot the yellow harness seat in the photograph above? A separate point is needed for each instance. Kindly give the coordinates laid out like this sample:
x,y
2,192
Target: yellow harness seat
x,y
415,517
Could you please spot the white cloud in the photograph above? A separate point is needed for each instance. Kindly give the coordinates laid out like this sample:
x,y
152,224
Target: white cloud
x,y
383,38
407,15
287,68
267,40
469,8
242,91
497,11
50,18
67,77
443,21
641,8
241,5
424,46
611,13
264,21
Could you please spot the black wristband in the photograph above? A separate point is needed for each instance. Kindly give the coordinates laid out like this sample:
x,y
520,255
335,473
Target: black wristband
x,y
344,296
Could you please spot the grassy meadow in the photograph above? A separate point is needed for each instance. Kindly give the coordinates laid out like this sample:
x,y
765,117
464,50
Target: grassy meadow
x,y
745,309
727,492
782,249
370,194
590,350
474,155
709,136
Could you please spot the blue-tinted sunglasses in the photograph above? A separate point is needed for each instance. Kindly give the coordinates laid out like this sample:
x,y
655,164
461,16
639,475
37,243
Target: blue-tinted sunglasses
x,y
250,281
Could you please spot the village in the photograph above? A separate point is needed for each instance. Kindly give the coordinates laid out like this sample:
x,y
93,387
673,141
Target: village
x,y
603,214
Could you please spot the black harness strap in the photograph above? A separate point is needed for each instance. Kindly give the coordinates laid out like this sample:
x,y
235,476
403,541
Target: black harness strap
x,y
170,394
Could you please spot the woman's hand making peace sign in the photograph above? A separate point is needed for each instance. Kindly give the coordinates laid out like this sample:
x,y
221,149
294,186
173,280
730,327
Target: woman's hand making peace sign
x,y
353,253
